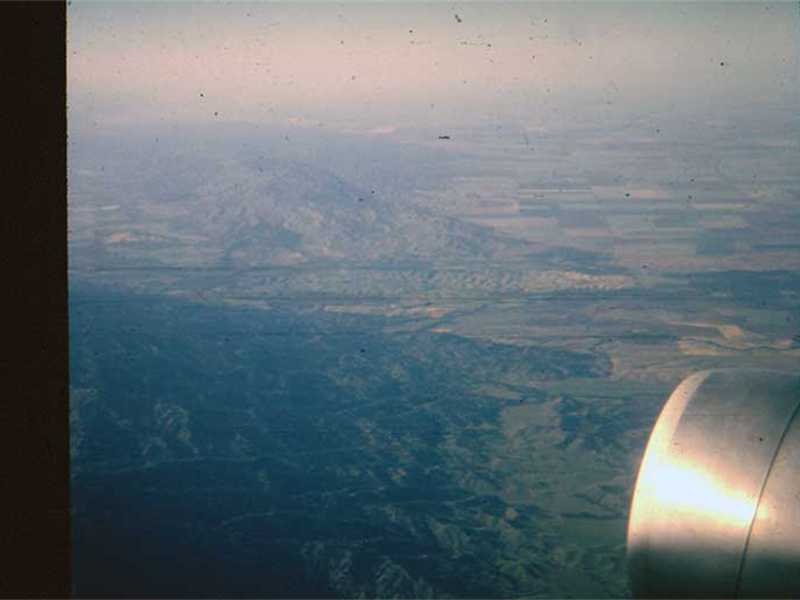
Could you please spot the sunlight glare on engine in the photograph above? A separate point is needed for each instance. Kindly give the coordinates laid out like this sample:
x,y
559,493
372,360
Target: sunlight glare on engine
x,y
687,489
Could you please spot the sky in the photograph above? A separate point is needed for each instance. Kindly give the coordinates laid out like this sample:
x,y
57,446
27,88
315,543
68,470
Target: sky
x,y
376,67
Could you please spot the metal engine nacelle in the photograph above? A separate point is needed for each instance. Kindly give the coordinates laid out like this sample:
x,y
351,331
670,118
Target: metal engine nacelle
x,y
716,508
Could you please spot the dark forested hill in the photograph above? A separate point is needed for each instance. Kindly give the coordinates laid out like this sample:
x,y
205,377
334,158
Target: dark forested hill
x,y
262,453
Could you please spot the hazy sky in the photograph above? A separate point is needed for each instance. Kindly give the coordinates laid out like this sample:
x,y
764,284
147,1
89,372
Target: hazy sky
x,y
377,66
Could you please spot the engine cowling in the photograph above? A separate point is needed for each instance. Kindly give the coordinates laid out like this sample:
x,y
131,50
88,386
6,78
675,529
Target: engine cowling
x,y
716,507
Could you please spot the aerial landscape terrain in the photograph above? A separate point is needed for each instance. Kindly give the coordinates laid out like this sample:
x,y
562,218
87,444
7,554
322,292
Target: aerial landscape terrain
x,y
315,359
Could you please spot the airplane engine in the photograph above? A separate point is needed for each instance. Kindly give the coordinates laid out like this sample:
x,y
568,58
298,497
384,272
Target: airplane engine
x,y
716,507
